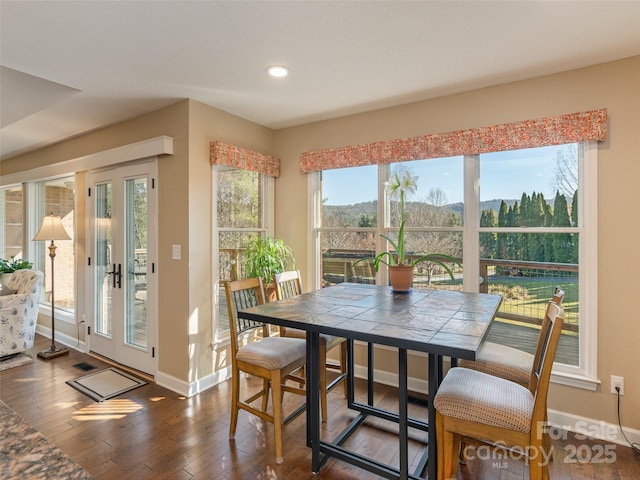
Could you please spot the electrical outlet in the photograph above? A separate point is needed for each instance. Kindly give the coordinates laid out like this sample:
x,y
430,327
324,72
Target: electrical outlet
x,y
617,382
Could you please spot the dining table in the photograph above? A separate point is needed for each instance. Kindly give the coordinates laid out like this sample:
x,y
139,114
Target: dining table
x,y
439,323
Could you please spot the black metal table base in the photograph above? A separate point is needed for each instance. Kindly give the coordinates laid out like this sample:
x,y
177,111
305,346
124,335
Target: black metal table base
x,y
322,450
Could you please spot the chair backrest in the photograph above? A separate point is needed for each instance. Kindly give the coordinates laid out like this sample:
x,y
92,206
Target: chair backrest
x,y
541,371
557,298
288,284
243,294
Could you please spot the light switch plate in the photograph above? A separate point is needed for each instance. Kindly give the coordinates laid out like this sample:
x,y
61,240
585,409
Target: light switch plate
x,y
176,252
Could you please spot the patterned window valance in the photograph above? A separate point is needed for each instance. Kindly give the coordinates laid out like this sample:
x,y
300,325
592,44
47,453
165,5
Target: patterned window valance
x,y
570,128
231,156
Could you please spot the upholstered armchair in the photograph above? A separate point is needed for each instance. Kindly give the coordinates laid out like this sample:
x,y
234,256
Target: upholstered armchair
x,y
19,311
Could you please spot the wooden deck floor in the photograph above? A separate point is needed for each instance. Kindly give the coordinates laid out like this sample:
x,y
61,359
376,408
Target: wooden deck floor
x,y
525,338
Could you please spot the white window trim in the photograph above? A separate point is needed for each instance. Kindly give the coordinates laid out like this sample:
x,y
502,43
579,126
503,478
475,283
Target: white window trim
x,y
585,374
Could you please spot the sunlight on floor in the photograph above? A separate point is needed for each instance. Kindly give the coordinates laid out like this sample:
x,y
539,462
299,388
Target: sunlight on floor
x,y
109,410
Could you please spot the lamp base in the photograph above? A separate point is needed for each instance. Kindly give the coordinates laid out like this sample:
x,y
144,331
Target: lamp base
x,y
53,352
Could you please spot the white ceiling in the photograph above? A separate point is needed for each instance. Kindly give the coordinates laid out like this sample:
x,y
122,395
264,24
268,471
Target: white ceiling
x,y
75,66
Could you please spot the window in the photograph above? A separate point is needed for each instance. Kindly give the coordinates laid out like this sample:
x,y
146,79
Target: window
x,y
241,196
56,196
12,223
523,221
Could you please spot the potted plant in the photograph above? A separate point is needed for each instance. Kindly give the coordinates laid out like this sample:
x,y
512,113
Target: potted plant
x,y
266,256
400,265
7,267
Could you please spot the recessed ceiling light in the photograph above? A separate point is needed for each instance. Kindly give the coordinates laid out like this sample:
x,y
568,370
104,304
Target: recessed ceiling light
x,y
278,71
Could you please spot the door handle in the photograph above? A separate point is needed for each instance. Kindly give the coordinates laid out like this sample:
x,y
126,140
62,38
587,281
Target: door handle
x,y
113,272
117,274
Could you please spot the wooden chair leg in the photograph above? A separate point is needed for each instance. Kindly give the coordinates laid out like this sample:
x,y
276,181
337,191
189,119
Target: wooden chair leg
x,y
277,414
445,445
265,395
235,399
323,381
535,470
546,438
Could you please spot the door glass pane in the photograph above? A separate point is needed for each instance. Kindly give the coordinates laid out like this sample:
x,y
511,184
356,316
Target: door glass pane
x,y
135,273
103,279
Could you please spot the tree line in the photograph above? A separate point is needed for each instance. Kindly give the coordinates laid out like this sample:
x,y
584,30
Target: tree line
x,y
532,211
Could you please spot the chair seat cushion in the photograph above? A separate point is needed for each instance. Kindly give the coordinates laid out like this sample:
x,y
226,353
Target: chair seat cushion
x,y
330,340
272,353
482,398
502,361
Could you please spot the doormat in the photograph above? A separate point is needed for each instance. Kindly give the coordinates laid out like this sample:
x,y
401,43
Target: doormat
x,y
106,384
15,361
84,366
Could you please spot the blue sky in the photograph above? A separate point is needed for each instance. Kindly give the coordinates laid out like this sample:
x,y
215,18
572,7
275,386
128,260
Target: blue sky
x,y
503,175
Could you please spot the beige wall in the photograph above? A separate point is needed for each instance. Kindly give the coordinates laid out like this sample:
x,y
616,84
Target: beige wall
x,y
207,124
614,86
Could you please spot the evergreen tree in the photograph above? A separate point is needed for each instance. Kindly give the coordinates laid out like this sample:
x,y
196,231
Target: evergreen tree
x,y
513,220
561,241
524,221
574,222
536,240
488,241
502,238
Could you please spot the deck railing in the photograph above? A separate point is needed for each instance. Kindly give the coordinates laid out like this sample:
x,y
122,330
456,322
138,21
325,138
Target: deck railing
x,y
525,286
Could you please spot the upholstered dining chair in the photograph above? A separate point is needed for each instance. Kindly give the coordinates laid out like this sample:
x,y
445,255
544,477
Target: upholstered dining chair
x,y
289,284
273,359
507,362
474,404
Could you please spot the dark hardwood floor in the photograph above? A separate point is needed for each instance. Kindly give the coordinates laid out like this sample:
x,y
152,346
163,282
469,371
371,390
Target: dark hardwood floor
x,y
154,433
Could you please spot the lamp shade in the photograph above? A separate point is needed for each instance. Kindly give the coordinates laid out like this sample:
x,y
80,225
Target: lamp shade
x,y
51,229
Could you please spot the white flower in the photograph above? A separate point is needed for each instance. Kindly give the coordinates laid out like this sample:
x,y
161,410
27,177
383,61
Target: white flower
x,y
401,182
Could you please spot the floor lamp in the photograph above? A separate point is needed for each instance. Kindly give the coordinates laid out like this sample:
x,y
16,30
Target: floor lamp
x,y
52,229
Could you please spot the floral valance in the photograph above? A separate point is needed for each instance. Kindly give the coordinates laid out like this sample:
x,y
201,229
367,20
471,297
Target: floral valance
x,y
570,128
231,156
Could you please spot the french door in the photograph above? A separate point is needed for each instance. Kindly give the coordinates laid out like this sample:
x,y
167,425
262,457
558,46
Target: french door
x,y
122,264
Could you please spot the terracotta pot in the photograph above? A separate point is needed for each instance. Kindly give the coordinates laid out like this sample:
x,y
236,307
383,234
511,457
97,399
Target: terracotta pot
x,y
401,278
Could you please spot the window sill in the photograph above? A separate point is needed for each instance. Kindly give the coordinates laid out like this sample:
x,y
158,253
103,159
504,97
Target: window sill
x,y
575,380
61,315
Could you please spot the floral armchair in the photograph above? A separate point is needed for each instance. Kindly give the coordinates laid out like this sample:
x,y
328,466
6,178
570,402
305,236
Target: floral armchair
x,y
19,311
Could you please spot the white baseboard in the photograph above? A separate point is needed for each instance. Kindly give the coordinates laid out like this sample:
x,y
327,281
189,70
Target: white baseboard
x,y
193,388
62,338
592,428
